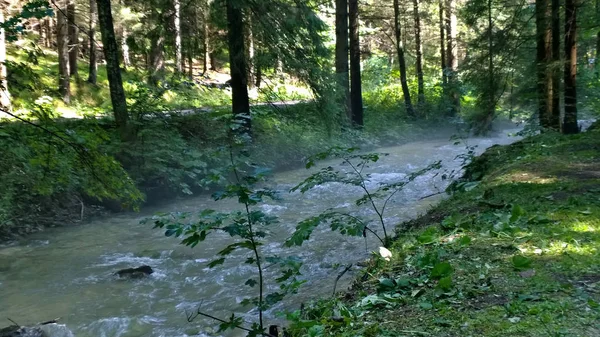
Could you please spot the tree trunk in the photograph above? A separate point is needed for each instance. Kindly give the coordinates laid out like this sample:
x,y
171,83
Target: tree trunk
x,y
341,55
157,59
62,40
239,68
4,93
491,74
73,40
570,119
419,49
113,69
443,44
554,115
356,102
543,56
259,75
177,23
400,51
93,72
597,61
125,48
205,42
251,52
452,56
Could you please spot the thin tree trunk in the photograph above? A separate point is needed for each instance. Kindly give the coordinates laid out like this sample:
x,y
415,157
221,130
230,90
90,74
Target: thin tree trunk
x,y
205,42
554,114
177,23
259,75
443,44
93,72
239,68
491,74
452,56
125,48
50,31
113,69
251,52
419,49
341,55
4,93
401,60
544,81
570,120
73,40
356,101
597,61
62,40
43,32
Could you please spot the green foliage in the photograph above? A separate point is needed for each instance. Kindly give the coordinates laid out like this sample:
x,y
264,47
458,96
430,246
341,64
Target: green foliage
x,y
32,9
249,228
50,167
345,222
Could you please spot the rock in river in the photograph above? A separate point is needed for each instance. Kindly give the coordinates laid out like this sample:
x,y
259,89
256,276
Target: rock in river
x,y
134,273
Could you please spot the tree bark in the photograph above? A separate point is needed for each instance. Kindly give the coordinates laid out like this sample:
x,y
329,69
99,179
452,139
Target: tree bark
x,y
73,40
157,59
93,66
491,80
239,68
555,68
570,119
401,60
356,101
125,48
452,56
62,40
177,24
543,56
251,54
113,69
443,44
341,55
597,61
419,49
4,93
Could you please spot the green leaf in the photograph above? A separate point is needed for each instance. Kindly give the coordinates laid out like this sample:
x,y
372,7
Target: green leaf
x,y
216,262
516,213
251,283
464,240
521,262
441,270
445,283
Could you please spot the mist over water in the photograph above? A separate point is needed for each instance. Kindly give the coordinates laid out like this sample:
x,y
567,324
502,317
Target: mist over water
x,y
68,272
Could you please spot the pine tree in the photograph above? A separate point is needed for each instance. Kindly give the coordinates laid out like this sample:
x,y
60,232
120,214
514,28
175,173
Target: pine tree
x,y
62,39
240,102
4,93
341,54
570,119
93,64
401,60
356,100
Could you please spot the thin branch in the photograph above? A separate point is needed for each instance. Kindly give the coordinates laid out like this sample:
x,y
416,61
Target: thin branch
x,y
339,277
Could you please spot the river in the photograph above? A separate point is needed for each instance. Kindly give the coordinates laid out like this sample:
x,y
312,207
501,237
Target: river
x,y
68,272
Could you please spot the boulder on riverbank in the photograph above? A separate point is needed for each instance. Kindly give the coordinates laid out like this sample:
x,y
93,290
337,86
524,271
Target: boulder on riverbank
x,y
21,331
134,273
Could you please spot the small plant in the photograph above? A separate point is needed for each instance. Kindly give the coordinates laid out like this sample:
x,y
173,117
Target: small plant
x,y
249,228
344,222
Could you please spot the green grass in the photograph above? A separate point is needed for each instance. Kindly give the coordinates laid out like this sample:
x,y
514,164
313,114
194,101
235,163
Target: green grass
x,y
518,255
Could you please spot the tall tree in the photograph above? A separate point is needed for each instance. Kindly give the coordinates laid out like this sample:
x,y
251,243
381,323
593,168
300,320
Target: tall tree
x,y
443,43
543,57
93,66
570,119
125,48
4,93
73,39
554,115
177,24
341,54
401,60
452,56
419,49
113,69
240,102
356,101
62,40
597,61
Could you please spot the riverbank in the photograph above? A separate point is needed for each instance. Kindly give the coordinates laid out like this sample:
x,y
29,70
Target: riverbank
x,y
514,253
80,170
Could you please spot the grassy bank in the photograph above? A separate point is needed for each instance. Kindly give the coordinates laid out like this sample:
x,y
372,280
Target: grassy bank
x,y
517,254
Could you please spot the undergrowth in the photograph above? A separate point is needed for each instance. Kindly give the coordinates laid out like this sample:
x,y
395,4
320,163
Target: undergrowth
x,y
516,254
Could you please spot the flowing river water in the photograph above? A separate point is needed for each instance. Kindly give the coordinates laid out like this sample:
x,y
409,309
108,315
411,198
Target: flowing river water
x,y
69,272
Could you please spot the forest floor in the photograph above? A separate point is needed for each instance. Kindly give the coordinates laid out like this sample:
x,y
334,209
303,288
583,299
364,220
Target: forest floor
x,y
517,254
